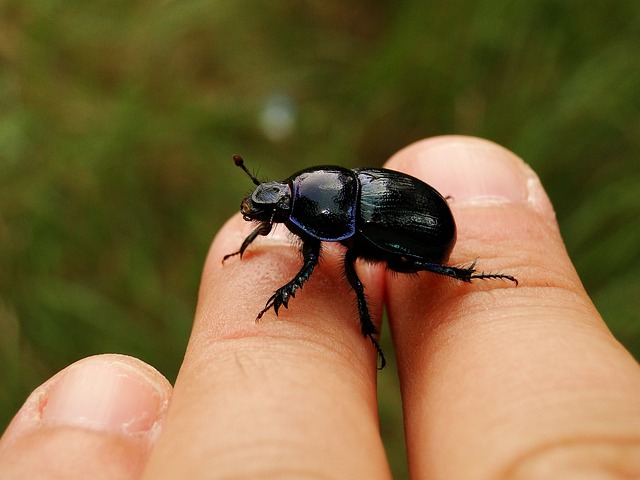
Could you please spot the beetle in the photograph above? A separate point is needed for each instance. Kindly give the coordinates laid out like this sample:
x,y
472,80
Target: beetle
x,y
379,215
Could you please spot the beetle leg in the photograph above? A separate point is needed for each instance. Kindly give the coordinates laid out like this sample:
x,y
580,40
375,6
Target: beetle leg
x,y
369,330
263,229
459,273
465,274
311,255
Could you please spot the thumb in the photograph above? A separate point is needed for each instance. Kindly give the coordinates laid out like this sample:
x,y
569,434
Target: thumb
x,y
97,418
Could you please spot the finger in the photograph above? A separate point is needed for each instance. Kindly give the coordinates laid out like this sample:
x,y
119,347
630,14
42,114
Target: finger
x,y
98,418
501,381
291,395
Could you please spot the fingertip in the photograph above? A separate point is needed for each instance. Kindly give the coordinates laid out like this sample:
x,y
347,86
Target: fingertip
x,y
230,237
503,215
474,171
114,394
232,293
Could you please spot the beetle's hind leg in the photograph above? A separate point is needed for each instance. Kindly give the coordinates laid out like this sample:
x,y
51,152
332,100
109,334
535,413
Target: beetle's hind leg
x,y
465,274
369,330
281,297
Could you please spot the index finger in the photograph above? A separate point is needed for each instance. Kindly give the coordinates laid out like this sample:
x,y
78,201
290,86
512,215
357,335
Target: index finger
x,y
291,396
501,381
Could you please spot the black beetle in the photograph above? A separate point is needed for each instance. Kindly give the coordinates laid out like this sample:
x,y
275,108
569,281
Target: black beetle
x,y
379,215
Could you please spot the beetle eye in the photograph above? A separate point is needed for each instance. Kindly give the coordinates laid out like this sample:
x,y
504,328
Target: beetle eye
x,y
245,208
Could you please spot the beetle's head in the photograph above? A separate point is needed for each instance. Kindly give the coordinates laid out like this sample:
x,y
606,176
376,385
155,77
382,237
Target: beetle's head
x,y
270,201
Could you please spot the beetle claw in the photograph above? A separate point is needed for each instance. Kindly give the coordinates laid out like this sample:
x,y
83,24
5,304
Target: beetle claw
x,y
278,302
226,257
279,299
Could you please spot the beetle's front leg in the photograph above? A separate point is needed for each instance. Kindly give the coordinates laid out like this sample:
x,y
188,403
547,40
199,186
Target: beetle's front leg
x,y
311,255
263,229
369,330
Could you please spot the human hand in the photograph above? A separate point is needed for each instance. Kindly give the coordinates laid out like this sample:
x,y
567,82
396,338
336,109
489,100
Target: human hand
x,y
497,381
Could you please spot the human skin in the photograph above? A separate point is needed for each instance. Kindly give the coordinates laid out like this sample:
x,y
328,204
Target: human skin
x,y
497,381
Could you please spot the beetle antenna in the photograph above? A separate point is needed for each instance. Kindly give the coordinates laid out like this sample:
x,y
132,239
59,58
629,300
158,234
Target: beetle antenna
x,y
238,160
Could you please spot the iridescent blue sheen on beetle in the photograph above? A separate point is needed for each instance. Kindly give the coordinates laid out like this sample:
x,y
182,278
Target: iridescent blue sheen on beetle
x,y
379,215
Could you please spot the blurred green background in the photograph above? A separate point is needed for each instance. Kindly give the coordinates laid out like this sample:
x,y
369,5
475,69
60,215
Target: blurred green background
x,y
118,120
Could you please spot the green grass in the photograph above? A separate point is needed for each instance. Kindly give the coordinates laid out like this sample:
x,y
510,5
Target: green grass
x,y
118,121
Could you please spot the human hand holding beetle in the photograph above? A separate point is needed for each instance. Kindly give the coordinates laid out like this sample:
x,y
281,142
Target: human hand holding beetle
x,y
497,382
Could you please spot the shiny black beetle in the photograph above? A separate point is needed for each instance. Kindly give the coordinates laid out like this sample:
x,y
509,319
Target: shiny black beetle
x,y
379,215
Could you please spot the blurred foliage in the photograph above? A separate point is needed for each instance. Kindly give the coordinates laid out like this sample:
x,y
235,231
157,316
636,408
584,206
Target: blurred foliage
x,y
118,120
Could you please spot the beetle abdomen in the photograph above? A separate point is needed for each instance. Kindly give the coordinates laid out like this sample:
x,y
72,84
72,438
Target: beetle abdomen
x,y
403,215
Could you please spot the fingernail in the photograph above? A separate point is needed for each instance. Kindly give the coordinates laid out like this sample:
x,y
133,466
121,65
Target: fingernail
x,y
106,393
475,171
